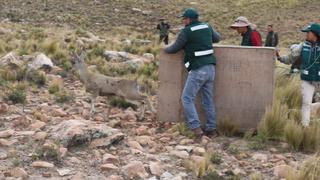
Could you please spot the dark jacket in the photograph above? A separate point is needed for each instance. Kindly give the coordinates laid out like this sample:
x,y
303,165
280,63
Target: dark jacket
x,y
272,39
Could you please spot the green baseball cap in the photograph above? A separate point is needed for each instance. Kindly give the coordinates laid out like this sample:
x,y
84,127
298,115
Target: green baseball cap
x,y
190,13
314,27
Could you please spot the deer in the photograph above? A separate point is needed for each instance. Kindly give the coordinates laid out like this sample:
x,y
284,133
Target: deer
x,y
101,85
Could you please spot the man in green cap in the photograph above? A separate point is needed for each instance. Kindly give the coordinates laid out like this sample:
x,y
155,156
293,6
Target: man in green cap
x,y
163,28
196,40
307,54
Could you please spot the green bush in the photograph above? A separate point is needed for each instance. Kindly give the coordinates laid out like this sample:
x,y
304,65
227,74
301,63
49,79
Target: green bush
x,y
16,96
121,103
36,77
63,97
216,158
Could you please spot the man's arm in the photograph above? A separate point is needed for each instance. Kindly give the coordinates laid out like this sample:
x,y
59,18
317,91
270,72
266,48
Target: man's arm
x,y
293,56
215,36
256,39
178,44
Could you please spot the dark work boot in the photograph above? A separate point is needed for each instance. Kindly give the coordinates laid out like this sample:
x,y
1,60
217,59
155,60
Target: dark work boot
x,y
198,133
211,133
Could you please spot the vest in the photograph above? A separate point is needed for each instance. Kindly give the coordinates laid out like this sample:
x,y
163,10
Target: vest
x,y
310,56
198,49
246,38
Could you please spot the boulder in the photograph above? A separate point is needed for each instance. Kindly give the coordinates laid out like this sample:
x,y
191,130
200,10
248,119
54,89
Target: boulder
x,y
135,169
41,62
11,60
76,132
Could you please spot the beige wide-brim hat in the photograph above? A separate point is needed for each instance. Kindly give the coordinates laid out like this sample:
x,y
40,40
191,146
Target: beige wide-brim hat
x,y
240,22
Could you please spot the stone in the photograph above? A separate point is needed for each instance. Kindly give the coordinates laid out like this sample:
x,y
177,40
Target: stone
x,y
142,130
76,132
19,173
149,56
185,148
107,142
64,172
11,60
197,159
4,142
180,154
135,145
166,176
3,108
114,55
57,112
260,157
108,167
63,152
114,177
109,158
3,156
40,136
78,176
134,169
38,125
199,151
7,133
42,164
283,171
40,61
156,168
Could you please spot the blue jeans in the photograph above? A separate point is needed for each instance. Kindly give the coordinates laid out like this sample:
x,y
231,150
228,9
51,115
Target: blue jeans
x,y
201,80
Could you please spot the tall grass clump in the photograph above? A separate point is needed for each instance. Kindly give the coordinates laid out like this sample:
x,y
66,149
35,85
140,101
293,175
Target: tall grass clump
x,y
294,135
274,121
227,128
310,169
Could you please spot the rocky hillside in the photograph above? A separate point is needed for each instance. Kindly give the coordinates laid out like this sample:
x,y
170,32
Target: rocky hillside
x,y
104,16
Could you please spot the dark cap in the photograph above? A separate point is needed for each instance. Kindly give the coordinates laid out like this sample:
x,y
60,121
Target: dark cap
x,y
314,27
190,13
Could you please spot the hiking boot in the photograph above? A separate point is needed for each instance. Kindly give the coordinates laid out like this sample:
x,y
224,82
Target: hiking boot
x,y
211,133
198,133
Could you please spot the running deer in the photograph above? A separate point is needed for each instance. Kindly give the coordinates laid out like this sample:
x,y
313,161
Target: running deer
x,y
101,85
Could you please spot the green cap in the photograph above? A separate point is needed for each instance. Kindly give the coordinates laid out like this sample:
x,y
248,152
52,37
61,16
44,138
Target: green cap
x,y
314,27
190,13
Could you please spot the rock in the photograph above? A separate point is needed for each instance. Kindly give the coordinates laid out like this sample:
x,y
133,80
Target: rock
x,y
42,164
135,145
19,173
57,112
180,154
166,176
148,56
64,172
63,152
197,159
46,174
7,133
156,168
41,62
3,108
199,151
40,136
142,130
114,177
6,143
116,56
260,157
109,158
76,132
11,60
134,169
145,140
185,148
78,176
106,142
3,156
283,171
108,167
38,125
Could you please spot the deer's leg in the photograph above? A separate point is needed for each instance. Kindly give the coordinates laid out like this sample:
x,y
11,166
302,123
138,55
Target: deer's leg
x,y
93,101
142,111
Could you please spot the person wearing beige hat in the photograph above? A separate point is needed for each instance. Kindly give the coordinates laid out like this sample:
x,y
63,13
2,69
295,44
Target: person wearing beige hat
x,y
250,37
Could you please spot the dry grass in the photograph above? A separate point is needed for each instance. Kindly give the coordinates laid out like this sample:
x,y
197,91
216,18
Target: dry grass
x,y
227,128
274,120
311,169
293,134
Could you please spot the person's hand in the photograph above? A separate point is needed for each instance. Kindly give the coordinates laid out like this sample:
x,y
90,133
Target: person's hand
x,y
277,54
